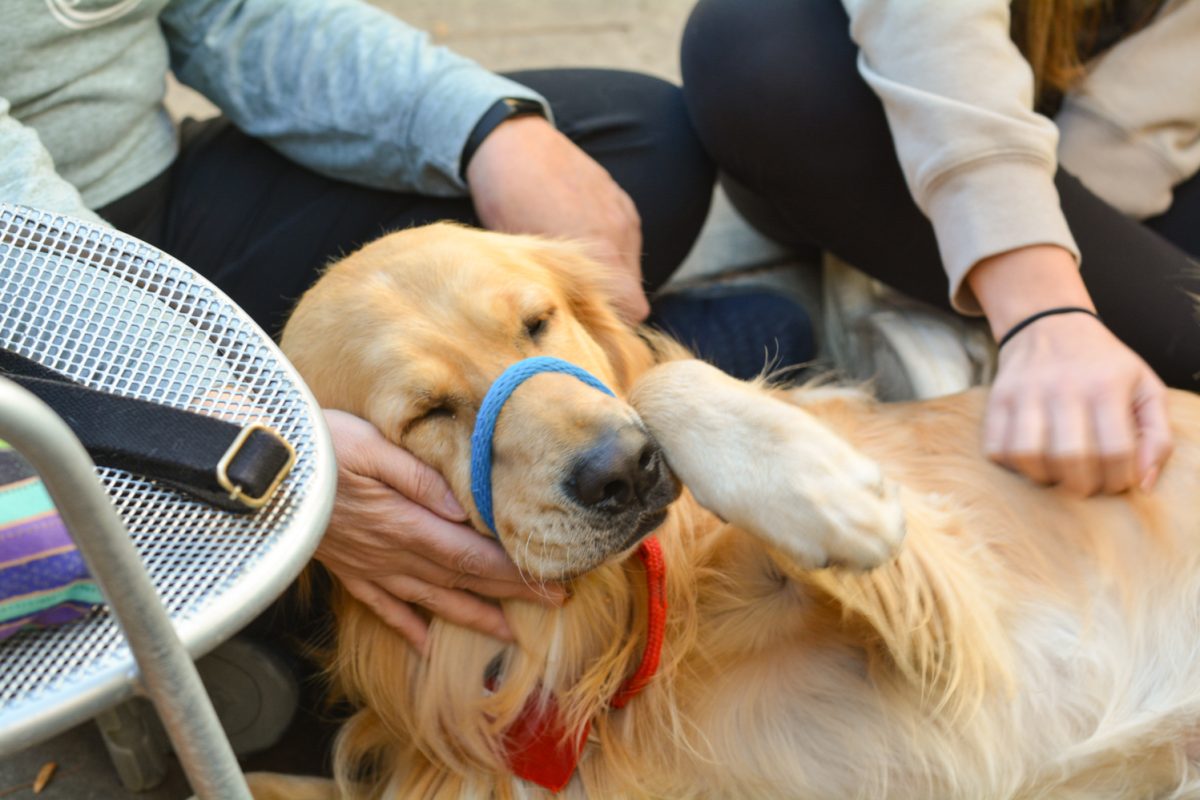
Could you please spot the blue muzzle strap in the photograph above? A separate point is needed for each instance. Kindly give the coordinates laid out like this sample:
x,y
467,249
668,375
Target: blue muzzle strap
x,y
489,411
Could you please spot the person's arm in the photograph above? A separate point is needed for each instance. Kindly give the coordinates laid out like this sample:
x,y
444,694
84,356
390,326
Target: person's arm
x,y
27,173
354,93
958,96
1071,404
1131,127
337,85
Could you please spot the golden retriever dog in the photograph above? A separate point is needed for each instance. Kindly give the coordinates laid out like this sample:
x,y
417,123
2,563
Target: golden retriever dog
x,y
858,603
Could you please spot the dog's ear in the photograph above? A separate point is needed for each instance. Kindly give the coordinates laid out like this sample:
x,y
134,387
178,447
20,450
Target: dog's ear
x,y
589,290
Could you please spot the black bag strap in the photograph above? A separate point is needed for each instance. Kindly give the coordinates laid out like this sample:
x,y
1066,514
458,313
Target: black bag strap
x,y
232,466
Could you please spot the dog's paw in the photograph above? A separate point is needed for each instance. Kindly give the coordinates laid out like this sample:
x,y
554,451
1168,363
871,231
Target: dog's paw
x,y
771,468
851,519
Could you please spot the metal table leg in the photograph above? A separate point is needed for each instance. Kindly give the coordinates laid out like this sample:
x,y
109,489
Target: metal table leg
x,y
168,675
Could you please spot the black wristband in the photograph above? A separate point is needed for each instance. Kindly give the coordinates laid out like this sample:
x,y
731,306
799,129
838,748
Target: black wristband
x,y
1049,312
502,110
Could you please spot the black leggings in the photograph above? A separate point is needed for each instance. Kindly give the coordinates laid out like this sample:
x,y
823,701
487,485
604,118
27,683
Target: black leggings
x,y
261,227
806,155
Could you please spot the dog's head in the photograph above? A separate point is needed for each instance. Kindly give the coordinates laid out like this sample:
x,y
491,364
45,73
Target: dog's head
x,y
411,331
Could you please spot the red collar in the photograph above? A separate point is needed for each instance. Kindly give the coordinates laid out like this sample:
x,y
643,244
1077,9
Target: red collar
x,y
535,745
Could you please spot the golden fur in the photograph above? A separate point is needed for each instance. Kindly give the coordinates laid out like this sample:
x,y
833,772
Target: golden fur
x,y
1019,642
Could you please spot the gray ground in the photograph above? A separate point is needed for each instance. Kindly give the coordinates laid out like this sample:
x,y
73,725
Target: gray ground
x,y
503,35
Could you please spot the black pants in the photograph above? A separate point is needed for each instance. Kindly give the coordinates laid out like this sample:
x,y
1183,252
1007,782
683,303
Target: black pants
x,y
807,156
261,227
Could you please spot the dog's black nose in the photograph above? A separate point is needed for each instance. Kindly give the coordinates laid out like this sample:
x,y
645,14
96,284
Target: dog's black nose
x,y
617,472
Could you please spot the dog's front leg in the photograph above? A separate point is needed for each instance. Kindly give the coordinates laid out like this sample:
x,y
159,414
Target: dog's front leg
x,y
771,468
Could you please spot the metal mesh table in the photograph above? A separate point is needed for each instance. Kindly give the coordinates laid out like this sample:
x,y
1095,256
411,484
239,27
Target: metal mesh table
x,y
115,314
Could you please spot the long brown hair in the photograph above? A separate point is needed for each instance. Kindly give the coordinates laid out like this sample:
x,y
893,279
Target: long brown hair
x,y
1048,32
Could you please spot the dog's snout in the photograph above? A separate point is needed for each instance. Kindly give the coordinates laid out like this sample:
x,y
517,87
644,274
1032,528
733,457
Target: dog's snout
x,y
617,472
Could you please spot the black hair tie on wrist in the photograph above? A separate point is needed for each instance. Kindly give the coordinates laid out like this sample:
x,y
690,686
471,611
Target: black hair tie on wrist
x,y
1049,312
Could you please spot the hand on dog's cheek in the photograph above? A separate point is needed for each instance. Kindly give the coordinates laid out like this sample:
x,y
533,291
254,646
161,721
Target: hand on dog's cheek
x,y
396,540
1071,404
526,177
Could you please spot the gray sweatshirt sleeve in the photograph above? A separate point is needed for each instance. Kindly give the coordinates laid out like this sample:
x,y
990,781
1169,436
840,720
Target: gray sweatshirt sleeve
x,y
336,85
27,174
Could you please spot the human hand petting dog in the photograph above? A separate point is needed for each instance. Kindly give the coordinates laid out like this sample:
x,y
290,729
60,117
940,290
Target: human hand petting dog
x,y
396,541
1071,404
526,177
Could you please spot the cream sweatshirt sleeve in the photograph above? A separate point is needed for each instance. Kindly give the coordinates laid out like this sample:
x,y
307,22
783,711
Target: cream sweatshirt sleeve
x,y
958,96
1131,128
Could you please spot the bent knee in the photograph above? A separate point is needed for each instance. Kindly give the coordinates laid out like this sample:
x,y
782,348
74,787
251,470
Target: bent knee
x,y
770,76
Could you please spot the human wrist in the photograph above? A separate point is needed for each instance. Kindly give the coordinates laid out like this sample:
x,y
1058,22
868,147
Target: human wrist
x,y
513,153
1014,285
498,115
1056,311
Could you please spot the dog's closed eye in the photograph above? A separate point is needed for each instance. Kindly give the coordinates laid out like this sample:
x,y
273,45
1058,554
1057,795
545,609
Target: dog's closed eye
x,y
535,326
443,410
437,409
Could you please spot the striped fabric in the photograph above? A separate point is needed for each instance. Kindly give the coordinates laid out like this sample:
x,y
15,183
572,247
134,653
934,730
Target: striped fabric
x,y
43,580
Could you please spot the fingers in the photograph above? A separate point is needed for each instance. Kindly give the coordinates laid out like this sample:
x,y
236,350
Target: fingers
x,y
396,614
459,549
631,303
631,226
361,449
414,479
468,560
392,600
618,246
431,572
1055,440
377,532
1073,460
393,543
1019,439
1085,446
1114,431
461,608
1154,431
420,483
636,306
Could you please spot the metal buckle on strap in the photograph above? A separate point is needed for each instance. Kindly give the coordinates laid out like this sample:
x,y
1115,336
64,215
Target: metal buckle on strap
x,y
237,493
